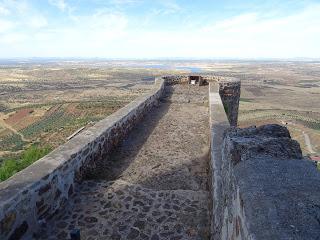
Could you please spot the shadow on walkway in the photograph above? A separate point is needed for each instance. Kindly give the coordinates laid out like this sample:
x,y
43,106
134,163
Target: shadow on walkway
x,y
122,156
149,188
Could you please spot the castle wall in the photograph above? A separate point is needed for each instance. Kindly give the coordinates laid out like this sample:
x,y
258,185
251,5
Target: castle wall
x,y
184,79
176,79
29,198
261,186
229,90
219,124
32,196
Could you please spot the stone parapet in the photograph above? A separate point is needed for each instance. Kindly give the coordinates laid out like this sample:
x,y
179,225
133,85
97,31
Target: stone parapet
x,y
31,197
262,186
229,89
219,123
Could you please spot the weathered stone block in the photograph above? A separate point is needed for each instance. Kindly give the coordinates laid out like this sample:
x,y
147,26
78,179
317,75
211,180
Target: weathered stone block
x,y
45,188
19,231
7,222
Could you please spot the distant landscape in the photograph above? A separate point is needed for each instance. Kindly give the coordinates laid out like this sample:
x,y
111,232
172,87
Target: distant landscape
x,y
43,102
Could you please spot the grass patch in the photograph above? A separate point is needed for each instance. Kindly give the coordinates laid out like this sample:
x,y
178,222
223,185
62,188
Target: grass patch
x,y
226,109
246,100
11,166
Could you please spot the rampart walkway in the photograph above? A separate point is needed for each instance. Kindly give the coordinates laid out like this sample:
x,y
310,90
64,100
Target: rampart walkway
x,y
154,185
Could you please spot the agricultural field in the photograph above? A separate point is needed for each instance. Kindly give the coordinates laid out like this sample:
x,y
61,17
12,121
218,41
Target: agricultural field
x,y
43,103
282,92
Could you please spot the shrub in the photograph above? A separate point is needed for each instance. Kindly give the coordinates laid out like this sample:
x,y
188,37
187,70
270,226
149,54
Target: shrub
x,y
11,166
245,100
226,109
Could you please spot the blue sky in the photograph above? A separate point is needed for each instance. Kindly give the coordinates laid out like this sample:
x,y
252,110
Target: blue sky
x,y
160,28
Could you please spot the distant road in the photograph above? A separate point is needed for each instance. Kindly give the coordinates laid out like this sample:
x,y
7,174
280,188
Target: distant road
x,y
308,142
305,135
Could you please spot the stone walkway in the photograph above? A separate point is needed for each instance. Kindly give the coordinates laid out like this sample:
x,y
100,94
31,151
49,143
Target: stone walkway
x,y
154,185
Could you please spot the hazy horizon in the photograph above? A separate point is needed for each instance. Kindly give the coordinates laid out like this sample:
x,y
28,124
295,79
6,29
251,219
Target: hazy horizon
x,y
156,59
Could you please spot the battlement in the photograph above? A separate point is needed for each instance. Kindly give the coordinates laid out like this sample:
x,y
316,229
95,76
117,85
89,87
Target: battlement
x,y
260,186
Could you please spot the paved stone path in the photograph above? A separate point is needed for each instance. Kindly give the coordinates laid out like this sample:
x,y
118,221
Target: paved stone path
x,y
154,185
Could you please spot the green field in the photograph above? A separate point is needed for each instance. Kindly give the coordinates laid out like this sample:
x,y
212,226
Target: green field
x,y
13,165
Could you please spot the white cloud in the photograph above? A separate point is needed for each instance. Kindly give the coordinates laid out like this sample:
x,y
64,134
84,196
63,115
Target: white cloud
x,y
246,35
168,7
61,4
21,15
171,6
5,25
100,26
16,7
109,33
124,2
14,38
4,11
254,35
86,36
37,21
234,22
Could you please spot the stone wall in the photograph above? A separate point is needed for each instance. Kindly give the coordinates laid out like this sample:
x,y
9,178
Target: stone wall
x,y
184,79
261,186
176,79
211,78
230,94
229,90
219,123
29,198
271,191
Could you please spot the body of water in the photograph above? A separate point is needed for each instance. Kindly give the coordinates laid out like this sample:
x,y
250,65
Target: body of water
x,y
168,67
